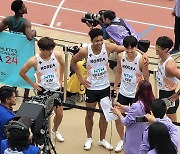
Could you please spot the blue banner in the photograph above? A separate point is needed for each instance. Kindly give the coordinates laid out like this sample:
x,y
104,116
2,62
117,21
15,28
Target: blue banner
x,y
15,50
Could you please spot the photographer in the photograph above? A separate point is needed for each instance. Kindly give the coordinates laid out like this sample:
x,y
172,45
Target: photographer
x,y
117,28
114,29
8,99
159,110
18,138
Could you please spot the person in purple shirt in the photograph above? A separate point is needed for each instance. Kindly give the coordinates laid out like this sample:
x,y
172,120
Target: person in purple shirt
x,y
176,14
115,30
134,130
159,115
160,140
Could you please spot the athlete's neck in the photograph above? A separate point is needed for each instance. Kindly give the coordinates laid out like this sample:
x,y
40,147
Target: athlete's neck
x,y
131,57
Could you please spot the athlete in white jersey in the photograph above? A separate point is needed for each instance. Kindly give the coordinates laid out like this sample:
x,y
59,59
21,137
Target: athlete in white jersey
x,y
45,65
131,69
97,69
167,75
97,82
46,73
131,75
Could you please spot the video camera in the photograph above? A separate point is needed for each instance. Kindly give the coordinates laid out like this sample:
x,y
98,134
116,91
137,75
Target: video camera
x,y
42,107
93,19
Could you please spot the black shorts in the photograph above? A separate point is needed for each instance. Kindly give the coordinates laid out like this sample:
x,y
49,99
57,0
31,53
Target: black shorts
x,y
56,102
166,94
112,64
93,96
124,100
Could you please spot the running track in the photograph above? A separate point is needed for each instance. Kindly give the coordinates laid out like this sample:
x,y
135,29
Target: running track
x,y
150,18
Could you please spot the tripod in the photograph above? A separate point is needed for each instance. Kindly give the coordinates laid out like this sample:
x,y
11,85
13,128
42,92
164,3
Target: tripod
x,y
47,141
43,138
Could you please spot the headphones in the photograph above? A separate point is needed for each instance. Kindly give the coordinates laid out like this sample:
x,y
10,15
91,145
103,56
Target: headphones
x,y
16,125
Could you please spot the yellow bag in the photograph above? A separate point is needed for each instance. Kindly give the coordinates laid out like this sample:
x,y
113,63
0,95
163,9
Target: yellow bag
x,y
73,84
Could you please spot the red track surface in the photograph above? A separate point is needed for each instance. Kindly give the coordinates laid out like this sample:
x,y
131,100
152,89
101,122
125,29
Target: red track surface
x,y
71,20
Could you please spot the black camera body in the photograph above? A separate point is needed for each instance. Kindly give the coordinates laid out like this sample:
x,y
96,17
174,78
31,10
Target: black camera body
x,y
92,18
73,49
141,119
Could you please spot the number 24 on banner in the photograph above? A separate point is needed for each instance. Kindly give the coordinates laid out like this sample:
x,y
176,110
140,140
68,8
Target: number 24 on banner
x,y
10,60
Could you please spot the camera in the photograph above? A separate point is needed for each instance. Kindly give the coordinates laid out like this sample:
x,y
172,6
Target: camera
x,y
73,49
92,18
141,119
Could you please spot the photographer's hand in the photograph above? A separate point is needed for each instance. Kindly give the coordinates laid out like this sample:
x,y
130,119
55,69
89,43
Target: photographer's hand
x,y
150,118
173,13
89,25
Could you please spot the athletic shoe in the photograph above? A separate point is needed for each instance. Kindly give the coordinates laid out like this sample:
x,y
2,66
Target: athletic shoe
x,y
105,144
119,146
88,144
58,136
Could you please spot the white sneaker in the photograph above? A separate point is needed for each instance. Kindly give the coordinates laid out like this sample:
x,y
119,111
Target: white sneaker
x,y
58,136
119,146
105,144
88,144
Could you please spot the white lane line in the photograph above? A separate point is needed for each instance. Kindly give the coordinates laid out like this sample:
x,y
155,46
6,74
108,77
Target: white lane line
x,y
62,29
56,13
139,22
40,3
66,30
73,10
145,23
55,6
145,4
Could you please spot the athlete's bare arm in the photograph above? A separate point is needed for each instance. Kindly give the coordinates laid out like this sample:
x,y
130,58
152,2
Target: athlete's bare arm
x,y
3,24
83,53
144,68
111,47
60,59
173,71
118,71
32,62
30,34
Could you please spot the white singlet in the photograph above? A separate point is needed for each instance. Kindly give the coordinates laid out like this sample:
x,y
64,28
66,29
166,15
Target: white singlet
x,y
164,82
46,73
97,69
131,75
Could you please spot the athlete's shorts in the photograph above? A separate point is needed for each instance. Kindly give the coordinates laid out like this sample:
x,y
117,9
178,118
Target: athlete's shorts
x,y
93,96
124,100
166,94
56,102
